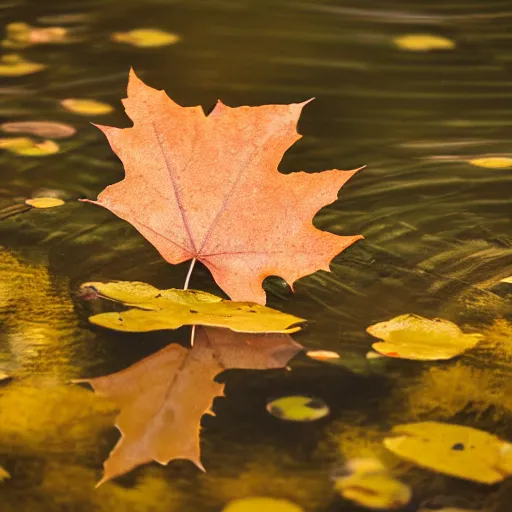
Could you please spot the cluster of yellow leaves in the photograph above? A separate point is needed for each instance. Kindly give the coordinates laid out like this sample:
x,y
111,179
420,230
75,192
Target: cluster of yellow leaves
x,y
155,309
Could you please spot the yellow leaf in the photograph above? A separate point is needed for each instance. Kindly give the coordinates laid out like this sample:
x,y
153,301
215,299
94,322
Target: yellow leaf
x,y
44,202
15,65
414,337
298,408
370,485
21,35
423,42
146,37
26,146
260,504
4,475
454,450
4,376
492,162
86,107
156,309
507,280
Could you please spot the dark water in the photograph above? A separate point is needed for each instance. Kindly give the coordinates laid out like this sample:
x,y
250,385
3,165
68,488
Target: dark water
x,y
438,240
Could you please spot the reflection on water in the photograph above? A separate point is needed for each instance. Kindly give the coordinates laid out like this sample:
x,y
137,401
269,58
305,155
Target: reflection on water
x,y
437,241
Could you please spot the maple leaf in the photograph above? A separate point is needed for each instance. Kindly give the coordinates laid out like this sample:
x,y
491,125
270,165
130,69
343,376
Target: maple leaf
x,y
163,397
207,188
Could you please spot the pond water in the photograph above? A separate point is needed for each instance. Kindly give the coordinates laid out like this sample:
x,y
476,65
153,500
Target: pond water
x,y
438,241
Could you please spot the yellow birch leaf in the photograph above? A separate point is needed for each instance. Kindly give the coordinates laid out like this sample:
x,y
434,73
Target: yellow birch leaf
x,y
298,408
15,65
146,37
507,280
86,107
423,42
44,202
492,162
155,309
414,337
454,450
25,146
4,475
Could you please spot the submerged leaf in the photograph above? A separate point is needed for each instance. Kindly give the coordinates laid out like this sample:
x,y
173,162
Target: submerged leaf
x,y
423,42
45,129
414,337
156,309
261,504
163,397
44,202
371,485
86,107
208,188
146,37
455,450
25,146
298,408
15,65
492,162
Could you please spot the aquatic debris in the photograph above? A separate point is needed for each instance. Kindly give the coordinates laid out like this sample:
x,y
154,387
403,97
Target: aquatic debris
x,y
370,484
455,450
26,146
44,129
146,37
13,64
44,202
298,408
414,337
423,42
86,107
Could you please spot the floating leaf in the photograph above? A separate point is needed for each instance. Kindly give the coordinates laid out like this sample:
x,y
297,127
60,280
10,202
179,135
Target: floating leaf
x,y
298,408
322,355
455,450
261,504
45,129
169,309
86,107
507,280
492,162
21,35
146,37
423,42
44,202
4,376
4,475
414,337
15,65
371,485
26,146
163,397
207,188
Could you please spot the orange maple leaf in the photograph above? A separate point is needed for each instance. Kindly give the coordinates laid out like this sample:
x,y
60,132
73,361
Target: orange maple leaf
x,y
207,188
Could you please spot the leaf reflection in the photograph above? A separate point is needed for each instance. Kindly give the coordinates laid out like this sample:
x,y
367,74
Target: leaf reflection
x,y
163,397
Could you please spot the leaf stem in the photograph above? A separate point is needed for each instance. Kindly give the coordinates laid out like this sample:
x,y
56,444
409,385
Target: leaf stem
x,y
192,334
187,280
